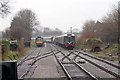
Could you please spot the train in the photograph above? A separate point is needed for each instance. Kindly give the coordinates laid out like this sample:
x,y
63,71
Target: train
x,y
66,41
39,41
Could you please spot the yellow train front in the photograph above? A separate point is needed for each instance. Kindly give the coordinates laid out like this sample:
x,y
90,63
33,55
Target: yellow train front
x,y
39,41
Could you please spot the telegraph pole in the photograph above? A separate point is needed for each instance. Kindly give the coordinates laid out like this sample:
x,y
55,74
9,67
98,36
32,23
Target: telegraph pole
x,y
71,29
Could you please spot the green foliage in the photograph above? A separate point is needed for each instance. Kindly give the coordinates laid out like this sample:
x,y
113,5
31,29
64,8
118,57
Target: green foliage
x,y
11,55
15,55
5,46
93,42
109,53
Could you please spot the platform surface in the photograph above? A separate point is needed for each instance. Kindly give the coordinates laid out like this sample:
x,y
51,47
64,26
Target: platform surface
x,y
46,68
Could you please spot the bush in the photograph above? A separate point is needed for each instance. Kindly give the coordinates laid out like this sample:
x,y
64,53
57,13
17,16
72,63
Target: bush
x,y
5,46
94,42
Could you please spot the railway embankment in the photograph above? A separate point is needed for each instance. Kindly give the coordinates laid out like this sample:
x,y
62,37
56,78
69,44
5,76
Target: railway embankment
x,y
110,53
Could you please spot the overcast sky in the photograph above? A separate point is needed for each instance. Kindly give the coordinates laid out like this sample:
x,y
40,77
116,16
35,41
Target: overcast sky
x,y
61,14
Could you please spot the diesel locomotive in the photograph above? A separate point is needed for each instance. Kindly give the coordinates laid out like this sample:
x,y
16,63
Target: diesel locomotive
x,y
66,41
39,41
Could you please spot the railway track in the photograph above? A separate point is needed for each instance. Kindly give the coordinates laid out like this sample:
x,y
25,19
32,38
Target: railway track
x,y
68,60
26,66
22,60
102,69
73,70
102,64
100,59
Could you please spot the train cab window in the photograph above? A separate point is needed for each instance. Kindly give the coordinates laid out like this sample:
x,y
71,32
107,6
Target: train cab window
x,y
39,39
65,38
69,38
73,38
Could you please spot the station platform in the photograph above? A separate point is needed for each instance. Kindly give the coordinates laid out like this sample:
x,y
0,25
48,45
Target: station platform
x,y
48,68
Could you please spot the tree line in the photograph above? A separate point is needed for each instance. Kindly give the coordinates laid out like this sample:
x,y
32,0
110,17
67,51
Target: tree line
x,y
23,22
106,29
22,25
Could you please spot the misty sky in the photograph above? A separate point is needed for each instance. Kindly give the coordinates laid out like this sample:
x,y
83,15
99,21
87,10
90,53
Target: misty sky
x,y
61,14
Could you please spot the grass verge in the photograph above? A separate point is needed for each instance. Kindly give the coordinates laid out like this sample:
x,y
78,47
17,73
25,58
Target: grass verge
x,y
15,55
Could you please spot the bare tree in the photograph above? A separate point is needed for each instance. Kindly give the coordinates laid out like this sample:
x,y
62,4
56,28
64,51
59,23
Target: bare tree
x,y
49,32
88,29
23,24
4,7
112,16
6,33
36,32
109,27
